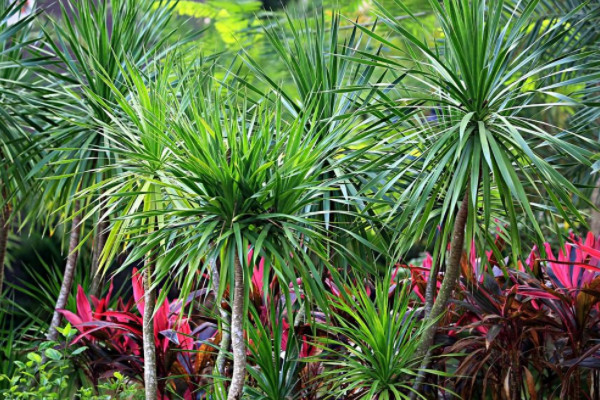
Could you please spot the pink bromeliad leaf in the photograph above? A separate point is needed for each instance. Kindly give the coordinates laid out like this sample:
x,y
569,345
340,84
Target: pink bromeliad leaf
x,y
71,317
138,291
575,266
83,306
421,274
100,305
161,323
570,268
534,292
258,275
473,257
184,333
306,349
120,316
534,255
590,250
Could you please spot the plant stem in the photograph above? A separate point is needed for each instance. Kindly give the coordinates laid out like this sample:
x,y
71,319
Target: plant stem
x,y
225,341
4,231
237,334
429,299
98,245
150,380
448,284
430,289
225,322
517,376
67,283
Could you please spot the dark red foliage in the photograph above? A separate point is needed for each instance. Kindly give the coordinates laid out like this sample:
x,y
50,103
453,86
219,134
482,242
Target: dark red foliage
x,y
526,329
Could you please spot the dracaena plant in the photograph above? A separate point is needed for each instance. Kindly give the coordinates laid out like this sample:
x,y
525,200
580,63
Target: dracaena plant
x,y
91,43
371,351
582,37
231,177
245,178
318,56
138,132
478,158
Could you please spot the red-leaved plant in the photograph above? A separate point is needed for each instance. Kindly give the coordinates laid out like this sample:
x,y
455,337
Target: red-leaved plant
x,y
524,329
184,345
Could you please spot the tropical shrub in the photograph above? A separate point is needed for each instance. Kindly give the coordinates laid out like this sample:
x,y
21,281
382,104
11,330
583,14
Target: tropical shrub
x,y
475,159
113,340
526,331
373,347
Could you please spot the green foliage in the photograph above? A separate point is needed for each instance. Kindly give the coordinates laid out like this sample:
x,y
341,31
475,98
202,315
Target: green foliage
x,y
13,338
18,152
46,374
92,42
276,367
376,358
321,73
114,388
478,80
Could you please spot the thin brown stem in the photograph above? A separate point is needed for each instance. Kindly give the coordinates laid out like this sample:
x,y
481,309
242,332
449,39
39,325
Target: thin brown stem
x,y
448,284
430,289
225,322
98,247
67,283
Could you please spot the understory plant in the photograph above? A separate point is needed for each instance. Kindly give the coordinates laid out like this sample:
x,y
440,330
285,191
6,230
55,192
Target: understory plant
x,y
372,347
89,46
528,330
113,340
19,125
52,376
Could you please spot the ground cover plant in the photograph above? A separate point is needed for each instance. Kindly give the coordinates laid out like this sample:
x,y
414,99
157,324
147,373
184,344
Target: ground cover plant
x,y
233,200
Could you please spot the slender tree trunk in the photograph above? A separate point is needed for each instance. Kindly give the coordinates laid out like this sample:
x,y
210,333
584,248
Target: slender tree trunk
x,y
448,284
4,231
150,379
595,384
430,289
429,299
517,376
237,335
225,323
100,237
98,245
67,283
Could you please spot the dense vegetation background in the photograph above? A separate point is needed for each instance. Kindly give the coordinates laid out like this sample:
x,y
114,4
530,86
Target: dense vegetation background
x,y
309,200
